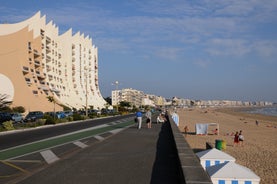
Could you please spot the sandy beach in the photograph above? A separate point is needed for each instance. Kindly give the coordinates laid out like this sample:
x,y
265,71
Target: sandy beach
x,y
259,152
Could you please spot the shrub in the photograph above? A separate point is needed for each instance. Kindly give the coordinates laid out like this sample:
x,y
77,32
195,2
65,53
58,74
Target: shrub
x,y
8,125
77,117
49,120
69,118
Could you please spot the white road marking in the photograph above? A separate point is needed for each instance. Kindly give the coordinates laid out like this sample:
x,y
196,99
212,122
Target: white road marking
x,y
80,144
49,156
116,130
98,137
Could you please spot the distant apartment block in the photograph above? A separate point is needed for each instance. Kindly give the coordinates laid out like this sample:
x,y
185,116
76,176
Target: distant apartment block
x,y
129,95
136,98
38,62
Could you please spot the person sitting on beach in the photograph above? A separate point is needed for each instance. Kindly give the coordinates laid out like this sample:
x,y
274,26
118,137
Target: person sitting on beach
x,y
215,132
236,139
160,119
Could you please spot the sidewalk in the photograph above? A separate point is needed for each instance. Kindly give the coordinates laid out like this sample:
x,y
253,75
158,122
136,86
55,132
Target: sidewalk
x,y
133,156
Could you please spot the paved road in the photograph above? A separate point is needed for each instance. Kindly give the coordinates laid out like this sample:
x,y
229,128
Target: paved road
x,y
132,156
9,140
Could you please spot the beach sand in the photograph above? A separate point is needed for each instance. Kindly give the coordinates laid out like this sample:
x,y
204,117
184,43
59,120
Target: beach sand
x,y
259,152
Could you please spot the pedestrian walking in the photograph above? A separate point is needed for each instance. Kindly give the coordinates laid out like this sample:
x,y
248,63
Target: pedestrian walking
x,y
175,118
148,115
241,138
139,119
236,139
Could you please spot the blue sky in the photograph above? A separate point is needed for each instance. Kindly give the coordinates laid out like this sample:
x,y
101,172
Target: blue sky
x,y
197,49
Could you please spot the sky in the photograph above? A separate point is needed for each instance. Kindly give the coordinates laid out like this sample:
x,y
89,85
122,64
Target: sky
x,y
194,49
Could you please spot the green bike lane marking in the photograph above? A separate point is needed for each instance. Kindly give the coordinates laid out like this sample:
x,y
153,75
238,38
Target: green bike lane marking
x,y
59,140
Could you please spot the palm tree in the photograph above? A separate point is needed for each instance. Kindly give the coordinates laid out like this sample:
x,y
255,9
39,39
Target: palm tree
x,y
51,99
4,102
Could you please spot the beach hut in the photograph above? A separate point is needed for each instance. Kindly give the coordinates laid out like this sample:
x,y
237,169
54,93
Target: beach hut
x,y
213,156
202,128
232,173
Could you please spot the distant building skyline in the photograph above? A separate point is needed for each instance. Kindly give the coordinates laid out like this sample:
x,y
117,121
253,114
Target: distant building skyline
x,y
139,98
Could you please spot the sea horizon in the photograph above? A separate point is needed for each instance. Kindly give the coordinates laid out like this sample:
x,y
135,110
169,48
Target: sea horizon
x,y
268,110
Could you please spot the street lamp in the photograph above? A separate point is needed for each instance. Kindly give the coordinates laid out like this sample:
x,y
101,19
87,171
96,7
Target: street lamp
x,y
86,95
86,80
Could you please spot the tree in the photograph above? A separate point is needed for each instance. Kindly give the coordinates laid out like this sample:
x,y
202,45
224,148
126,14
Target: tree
x,y
124,105
51,99
108,100
19,109
4,102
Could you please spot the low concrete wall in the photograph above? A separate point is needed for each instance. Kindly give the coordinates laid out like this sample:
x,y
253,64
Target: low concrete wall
x,y
190,166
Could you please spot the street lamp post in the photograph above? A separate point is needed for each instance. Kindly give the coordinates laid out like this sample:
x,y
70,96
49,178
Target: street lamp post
x,y
86,80
86,95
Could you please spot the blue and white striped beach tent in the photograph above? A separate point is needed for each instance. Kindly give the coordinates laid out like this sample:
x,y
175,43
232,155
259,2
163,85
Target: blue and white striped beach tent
x,y
213,156
232,173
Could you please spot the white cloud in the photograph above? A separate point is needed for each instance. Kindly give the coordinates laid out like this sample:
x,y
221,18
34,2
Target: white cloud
x,y
266,49
202,63
228,47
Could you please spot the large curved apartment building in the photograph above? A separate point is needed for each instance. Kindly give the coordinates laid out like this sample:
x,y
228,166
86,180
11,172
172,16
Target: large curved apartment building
x,y
38,62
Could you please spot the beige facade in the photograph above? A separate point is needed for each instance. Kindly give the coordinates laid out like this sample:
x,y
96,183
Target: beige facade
x,y
39,63
129,95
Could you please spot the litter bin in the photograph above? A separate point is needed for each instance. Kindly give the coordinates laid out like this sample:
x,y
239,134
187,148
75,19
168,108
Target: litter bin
x,y
218,144
223,145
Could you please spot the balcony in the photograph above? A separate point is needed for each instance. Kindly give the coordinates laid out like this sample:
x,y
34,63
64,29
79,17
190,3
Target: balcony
x,y
48,40
53,89
39,75
42,33
50,77
25,69
48,50
37,63
28,81
44,87
36,53
48,58
48,68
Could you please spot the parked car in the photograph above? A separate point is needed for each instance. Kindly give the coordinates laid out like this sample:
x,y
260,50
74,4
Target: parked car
x,y
5,116
58,114
68,113
17,117
33,115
